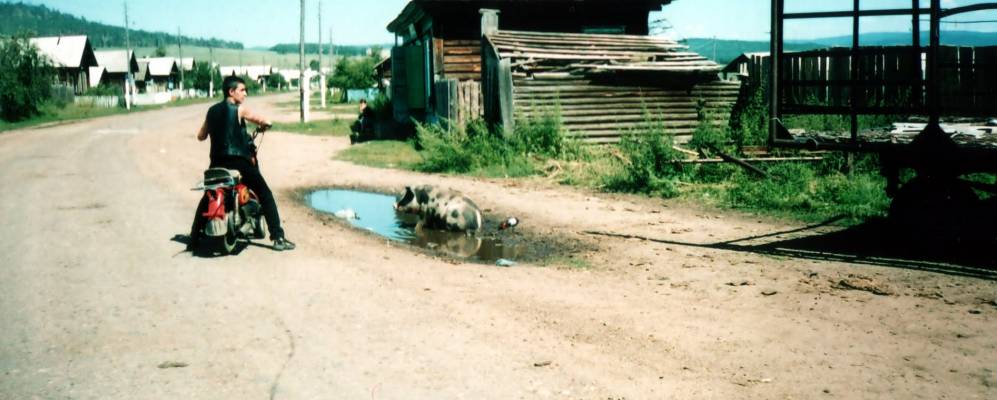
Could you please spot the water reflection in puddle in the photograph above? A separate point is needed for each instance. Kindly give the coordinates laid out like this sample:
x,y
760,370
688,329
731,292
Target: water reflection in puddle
x,y
375,212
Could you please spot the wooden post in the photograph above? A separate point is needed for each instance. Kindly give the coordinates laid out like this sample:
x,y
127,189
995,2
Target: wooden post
x,y
505,96
301,68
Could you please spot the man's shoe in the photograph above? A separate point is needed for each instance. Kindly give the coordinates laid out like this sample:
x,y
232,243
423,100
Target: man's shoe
x,y
281,244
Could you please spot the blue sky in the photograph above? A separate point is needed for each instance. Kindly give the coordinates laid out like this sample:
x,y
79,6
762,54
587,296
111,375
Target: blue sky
x,y
268,22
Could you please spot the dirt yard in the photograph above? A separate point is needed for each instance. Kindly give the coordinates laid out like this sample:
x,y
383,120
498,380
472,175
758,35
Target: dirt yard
x,y
670,300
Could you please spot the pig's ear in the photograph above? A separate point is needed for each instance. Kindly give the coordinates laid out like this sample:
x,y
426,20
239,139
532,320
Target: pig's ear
x,y
408,189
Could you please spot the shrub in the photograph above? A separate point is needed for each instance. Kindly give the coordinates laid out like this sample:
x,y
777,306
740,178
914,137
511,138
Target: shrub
x,y
105,90
26,79
648,165
469,149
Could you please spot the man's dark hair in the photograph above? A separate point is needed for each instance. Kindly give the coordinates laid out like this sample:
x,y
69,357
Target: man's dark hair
x,y
230,83
364,101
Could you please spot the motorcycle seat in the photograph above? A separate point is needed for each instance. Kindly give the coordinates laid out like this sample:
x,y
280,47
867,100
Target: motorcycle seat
x,y
220,175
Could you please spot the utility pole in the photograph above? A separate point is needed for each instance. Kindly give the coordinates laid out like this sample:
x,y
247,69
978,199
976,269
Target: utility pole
x,y
321,76
211,69
129,79
180,52
301,68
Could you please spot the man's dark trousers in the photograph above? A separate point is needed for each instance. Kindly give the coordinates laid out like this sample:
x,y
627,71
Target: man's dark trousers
x,y
252,178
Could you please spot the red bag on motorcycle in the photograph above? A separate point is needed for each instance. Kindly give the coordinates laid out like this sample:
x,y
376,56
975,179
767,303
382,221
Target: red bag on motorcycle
x,y
216,204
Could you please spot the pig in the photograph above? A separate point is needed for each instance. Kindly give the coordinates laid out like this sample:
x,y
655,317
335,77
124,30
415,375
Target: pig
x,y
440,209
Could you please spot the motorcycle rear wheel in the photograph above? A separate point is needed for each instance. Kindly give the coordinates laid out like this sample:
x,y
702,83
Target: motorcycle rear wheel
x,y
227,242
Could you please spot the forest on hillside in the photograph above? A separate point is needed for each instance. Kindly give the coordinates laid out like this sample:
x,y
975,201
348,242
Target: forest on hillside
x,y
38,20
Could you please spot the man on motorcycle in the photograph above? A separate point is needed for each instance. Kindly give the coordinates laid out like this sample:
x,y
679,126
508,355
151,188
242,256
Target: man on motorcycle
x,y
233,148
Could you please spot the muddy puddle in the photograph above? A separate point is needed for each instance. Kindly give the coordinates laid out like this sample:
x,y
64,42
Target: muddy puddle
x,y
374,212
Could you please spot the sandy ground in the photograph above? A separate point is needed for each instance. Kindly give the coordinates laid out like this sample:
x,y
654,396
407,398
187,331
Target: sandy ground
x,y
99,302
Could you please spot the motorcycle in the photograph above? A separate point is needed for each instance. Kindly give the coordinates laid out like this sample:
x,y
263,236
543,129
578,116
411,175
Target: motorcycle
x,y
234,211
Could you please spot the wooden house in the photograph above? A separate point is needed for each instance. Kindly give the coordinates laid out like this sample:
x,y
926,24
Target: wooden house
x,y
163,74
142,76
438,44
72,57
117,65
741,67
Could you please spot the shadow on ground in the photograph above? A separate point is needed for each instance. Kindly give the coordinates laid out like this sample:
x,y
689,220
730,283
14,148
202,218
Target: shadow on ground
x,y
875,242
206,249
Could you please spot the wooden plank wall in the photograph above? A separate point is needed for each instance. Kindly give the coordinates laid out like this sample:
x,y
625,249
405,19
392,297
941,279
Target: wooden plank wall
x,y
888,80
461,59
601,114
459,101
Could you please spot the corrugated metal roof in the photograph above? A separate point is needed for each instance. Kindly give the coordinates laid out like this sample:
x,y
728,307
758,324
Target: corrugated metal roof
x,y
66,51
117,61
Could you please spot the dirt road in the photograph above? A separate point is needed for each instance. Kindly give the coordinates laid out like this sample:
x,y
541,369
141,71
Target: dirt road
x,y
98,302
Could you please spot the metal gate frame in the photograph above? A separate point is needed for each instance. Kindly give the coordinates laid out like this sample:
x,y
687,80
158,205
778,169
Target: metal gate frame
x,y
779,135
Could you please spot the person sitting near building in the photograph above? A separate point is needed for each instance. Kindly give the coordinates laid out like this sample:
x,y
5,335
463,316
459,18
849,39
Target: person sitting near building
x,y
363,127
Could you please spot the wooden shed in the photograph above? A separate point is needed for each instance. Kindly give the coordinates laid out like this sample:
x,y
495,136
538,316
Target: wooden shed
x,y
438,45
602,85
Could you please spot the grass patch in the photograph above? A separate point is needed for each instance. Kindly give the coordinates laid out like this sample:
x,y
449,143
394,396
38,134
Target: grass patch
x,y
382,154
325,127
51,112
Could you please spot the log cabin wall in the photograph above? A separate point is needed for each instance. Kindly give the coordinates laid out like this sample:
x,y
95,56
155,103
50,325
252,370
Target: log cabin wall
x,y
604,86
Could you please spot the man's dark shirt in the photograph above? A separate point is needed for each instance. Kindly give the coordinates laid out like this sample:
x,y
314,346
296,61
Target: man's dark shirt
x,y
228,132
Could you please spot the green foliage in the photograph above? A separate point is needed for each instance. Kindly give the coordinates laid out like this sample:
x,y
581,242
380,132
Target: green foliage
x,y
382,107
798,189
202,75
252,86
17,17
749,121
25,81
160,51
477,149
105,89
354,73
648,168
544,135
276,81
313,65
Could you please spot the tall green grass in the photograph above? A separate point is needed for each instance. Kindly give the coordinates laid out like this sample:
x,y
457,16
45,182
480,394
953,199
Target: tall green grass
x,y
477,149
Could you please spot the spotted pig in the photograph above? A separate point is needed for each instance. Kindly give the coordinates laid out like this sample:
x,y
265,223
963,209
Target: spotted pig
x,y
440,209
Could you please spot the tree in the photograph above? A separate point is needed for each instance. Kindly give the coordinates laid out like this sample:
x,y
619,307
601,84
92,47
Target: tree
x,y
354,73
313,65
276,81
201,76
160,51
26,80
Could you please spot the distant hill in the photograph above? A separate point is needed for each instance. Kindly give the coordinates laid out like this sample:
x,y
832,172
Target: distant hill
x,y
42,21
954,38
312,48
724,51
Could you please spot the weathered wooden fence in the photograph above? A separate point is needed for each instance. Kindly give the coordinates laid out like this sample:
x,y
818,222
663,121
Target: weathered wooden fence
x,y
97,101
459,101
887,80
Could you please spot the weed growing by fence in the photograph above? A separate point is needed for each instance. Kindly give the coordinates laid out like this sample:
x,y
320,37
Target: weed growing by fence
x,y
476,149
647,162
